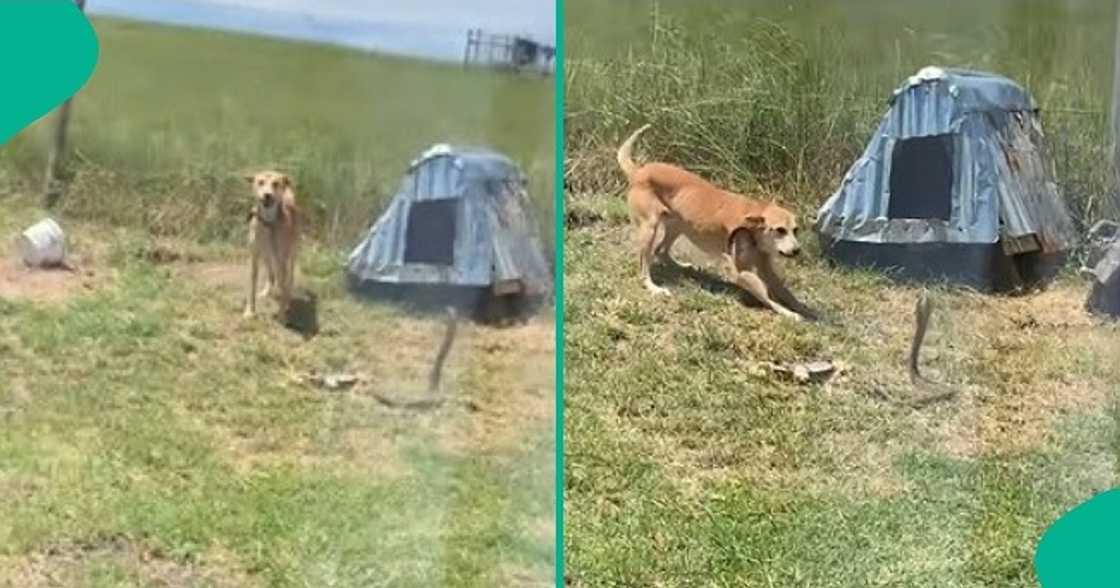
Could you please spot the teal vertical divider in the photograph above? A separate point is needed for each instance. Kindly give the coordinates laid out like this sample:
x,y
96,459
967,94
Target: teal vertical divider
x,y
559,78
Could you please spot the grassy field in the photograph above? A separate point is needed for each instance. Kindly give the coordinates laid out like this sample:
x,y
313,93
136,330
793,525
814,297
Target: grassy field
x,y
172,117
688,463
151,437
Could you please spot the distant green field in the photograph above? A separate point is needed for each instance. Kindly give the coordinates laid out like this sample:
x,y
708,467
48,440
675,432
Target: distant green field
x,y
172,116
786,94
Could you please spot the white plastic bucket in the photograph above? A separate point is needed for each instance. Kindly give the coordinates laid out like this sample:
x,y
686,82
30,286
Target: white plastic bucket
x,y
43,244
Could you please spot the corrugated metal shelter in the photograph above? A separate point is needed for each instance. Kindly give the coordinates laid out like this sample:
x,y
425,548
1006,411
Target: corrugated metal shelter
x,y
956,185
461,218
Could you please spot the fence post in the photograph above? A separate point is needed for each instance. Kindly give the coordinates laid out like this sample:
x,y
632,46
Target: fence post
x,y
52,189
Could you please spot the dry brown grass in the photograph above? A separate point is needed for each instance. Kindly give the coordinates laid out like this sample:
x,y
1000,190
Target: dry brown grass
x,y
515,407
119,561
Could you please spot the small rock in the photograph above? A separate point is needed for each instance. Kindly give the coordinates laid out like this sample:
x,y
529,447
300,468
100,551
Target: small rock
x,y
333,381
804,373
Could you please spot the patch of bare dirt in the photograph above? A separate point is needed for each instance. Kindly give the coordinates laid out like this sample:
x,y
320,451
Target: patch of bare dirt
x,y
219,274
70,564
17,389
51,286
14,489
87,246
163,250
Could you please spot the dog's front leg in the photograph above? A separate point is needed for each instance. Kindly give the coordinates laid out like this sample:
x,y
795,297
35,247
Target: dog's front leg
x,y
776,285
254,267
753,284
270,283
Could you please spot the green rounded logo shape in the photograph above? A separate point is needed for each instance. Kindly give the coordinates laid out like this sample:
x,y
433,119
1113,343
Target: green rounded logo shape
x,y
47,52
1079,550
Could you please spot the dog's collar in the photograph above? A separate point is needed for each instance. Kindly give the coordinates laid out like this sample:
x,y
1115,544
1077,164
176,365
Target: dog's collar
x,y
254,215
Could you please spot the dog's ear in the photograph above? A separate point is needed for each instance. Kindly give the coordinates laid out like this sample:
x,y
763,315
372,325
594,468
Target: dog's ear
x,y
753,222
249,178
746,230
286,181
737,237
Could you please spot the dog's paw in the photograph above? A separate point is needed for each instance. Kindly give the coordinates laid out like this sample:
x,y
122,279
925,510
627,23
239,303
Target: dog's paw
x,y
248,314
659,291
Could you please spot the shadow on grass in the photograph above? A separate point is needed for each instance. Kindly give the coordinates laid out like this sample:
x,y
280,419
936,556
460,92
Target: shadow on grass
x,y
715,284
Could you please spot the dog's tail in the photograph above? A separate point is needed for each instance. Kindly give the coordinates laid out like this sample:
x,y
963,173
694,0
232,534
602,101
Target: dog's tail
x,y
626,153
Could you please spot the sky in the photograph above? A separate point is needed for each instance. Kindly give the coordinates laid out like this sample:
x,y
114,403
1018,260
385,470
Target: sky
x,y
434,29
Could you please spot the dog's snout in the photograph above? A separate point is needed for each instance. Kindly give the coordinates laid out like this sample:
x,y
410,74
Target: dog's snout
x,y
268,199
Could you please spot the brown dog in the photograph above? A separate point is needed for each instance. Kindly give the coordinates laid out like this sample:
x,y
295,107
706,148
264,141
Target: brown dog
x,y
273,235
746,233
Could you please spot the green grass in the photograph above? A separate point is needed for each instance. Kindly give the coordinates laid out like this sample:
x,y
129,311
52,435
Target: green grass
x,y
144,415
688,464
150,436
783,96
172,117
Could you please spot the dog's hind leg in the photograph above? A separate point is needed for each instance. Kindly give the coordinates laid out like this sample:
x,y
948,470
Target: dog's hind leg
x,y
664,248
285,289
647,238
291,269
283,285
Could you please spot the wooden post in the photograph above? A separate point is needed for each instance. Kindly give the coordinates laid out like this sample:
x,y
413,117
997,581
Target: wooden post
x,y
52,189
467,52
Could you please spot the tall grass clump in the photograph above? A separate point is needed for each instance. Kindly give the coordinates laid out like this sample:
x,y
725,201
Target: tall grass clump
x,y
754,109
783,97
